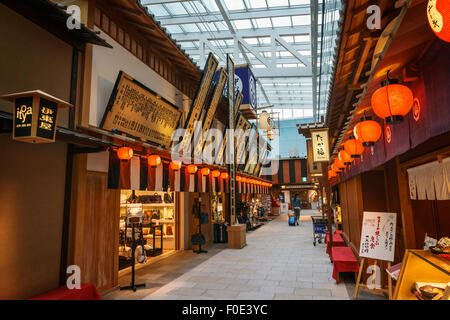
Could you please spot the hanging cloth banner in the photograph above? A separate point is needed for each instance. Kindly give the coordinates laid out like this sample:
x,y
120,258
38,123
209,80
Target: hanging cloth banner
x,y
430,181
239,187
191,181
221,185
119,172
213,183
205,183
177,180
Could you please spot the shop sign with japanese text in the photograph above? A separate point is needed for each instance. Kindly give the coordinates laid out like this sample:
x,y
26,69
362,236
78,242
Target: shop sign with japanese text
x,y
321,150
136,110
378,236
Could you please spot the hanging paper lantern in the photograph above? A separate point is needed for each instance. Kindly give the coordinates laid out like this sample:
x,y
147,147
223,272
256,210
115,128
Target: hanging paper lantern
x,y
367,131
345,157
224,175
438,12
243,179
354,147
215,173
125,153
335,168
341,165
154,160
392,101
238,178
192,168
205,171
175,165
331,174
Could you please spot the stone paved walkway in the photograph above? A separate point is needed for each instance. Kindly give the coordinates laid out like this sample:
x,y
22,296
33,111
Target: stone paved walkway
x,y
279,262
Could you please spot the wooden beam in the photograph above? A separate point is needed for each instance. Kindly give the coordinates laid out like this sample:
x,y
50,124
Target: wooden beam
x,y
409,237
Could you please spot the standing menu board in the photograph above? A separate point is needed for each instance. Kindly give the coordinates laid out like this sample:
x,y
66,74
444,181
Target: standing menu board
x,y
378,235
136,110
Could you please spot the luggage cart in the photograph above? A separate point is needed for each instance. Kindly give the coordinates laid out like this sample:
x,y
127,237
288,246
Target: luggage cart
x,y
320,228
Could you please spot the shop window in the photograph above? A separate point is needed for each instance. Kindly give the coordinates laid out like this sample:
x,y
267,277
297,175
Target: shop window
x,y
158,224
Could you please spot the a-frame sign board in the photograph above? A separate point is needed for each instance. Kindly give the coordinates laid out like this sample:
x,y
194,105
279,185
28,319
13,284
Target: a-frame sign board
x,y
378,243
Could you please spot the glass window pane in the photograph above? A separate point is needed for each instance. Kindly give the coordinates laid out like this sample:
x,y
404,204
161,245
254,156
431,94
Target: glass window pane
x,y
234,4
282,22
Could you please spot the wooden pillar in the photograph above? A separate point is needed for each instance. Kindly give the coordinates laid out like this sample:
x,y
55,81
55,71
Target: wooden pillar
x,y
405,207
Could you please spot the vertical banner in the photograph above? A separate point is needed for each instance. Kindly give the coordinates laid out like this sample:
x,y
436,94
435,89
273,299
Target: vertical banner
x,y
246,83
320,145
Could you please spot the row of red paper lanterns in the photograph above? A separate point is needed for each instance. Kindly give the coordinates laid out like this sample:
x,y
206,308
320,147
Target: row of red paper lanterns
x,y
126,153
392,101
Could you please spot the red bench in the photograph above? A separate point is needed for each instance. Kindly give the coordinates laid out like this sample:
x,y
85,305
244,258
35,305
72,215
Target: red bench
x,y
87,292
337,241
343,261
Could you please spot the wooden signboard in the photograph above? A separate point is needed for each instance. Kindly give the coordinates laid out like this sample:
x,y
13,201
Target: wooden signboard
x,y
313,167
136,110
250,147
320,145
35,116
237,104
199,100
220,154
244,125
217,95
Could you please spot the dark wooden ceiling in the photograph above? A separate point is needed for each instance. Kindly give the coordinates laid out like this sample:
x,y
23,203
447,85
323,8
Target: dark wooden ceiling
x,y
357,74
142,20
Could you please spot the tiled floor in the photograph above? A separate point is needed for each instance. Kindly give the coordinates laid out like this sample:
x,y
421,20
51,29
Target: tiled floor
x,y
279,262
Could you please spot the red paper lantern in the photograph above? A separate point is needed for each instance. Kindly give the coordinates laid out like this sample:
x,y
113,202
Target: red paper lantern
x,y
154,160
175,165
438,12
331,174
345,157
215,173
243,179
192,168
205,171
367,131
392,101
341,165
125,153
354,147
238,178
224,175
335,168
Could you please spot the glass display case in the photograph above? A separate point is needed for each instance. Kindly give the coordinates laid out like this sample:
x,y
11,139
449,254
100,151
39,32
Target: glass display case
x,y
422,268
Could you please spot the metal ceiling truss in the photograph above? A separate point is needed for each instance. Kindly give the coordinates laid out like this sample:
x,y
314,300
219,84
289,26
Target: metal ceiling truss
x,y
279,52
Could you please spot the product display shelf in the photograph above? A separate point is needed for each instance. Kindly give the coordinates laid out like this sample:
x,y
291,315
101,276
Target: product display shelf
x,y
420,266
124,205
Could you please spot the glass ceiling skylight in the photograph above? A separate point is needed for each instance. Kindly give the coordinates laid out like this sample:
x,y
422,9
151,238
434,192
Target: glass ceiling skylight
x,y
272,36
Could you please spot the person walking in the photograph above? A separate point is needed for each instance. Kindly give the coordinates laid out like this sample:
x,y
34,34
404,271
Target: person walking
x,y
297,204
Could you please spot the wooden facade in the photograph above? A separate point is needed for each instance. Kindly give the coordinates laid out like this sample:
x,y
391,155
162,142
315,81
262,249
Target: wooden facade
x,y
378,181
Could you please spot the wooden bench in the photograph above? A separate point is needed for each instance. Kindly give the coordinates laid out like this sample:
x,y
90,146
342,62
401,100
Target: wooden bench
x,y
338,241
343,261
